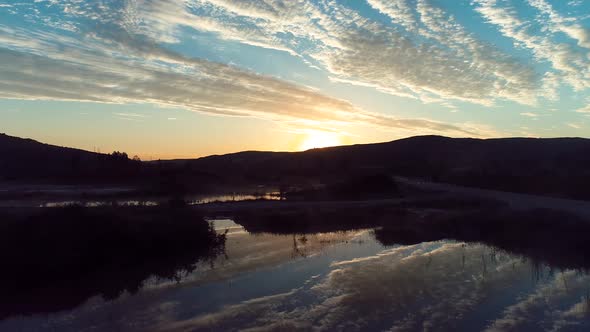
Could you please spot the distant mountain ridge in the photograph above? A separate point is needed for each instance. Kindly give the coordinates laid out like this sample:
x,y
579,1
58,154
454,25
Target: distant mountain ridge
x,y
555,166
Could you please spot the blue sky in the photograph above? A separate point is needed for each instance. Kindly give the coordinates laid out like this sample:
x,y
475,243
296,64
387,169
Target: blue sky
x,y
186,78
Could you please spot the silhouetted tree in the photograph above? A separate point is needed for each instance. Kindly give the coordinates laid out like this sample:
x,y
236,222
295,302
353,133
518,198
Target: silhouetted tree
x,y
119,155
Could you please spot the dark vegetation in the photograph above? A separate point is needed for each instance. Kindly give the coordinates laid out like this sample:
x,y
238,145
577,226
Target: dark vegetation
x,y
74,253
315,219
558,167
376,186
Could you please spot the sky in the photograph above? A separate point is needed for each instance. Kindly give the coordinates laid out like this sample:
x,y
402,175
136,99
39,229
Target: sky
x,y
188,78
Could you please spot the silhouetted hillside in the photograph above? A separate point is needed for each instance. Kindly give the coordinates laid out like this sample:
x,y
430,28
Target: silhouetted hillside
x,y
559,166
29,160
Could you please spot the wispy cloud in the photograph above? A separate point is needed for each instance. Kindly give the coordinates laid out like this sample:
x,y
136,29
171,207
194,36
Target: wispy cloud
x,y
117,59
574,125
132,115
118,52
434,55
569,65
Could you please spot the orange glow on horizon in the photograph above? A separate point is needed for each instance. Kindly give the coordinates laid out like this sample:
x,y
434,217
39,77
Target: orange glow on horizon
x,y
320,139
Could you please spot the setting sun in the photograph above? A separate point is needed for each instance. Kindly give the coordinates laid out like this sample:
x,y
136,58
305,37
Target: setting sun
x,y
320,139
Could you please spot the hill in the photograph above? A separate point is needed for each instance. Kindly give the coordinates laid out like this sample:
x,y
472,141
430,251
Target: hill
x,y
556,166
26,160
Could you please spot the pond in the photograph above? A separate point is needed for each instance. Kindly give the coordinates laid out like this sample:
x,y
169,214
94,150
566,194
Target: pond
x,y
345,280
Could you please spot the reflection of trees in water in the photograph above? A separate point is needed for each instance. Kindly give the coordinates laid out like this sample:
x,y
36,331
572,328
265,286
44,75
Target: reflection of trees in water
x,y
549,237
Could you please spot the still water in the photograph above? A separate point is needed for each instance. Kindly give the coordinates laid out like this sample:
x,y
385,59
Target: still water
x,y
341,281
190,200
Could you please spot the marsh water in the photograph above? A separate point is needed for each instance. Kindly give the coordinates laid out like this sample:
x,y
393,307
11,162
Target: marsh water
x,y
344,280
52,202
